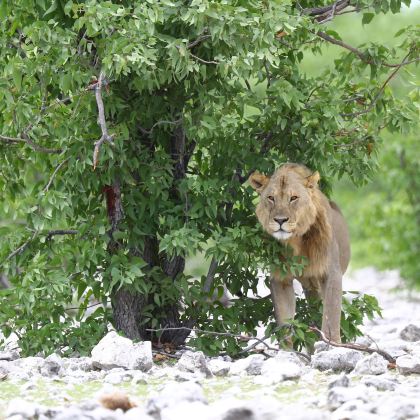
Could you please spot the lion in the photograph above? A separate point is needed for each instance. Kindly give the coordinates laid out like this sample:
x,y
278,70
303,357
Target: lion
x,y
294,211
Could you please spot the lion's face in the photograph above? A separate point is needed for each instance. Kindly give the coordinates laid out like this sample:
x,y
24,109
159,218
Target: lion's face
x,y
286,209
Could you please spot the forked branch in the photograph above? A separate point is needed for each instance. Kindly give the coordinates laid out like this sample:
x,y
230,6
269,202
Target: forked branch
x,y
106,137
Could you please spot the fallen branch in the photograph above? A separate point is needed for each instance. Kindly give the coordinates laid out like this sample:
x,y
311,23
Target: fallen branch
x,y
164,353
214,333
353,346
101,120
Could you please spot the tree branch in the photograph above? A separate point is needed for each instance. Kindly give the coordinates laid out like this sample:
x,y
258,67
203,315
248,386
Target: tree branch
x,y
25,139
210,275
199,40
101,120
323,12
59,166
203,61
214,333
353,346
20,249
380,92
52,233
360,53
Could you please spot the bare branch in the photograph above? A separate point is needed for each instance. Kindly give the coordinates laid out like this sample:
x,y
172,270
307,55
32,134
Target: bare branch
x,y
52,233
164,353
199,40
214,333
88,306
25,139
101,120
380,92
323,12
353,346
203,61
20,249
161,122
59,166
360,53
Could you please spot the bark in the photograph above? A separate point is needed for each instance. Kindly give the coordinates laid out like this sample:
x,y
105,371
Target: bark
x,y
126,307
127,304
180,153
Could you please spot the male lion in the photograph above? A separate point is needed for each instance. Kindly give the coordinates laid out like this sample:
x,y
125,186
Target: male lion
x,y
296,212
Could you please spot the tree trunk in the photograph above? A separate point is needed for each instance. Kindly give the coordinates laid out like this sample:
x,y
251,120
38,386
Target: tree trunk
x,y
126,307
127,304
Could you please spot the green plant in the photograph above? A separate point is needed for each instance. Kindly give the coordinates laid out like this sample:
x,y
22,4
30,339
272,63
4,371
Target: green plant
x,y
191,97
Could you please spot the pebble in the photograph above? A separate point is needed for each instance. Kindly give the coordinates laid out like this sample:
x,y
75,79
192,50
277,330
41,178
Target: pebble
x,y
338,384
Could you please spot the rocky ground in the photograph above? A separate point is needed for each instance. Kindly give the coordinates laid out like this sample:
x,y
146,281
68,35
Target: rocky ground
x,y
336,384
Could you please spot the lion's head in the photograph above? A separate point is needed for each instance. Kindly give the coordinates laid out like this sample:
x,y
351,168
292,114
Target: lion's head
x,y
289,200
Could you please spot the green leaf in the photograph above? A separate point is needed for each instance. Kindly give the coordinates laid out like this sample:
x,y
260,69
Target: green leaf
x,y
367,18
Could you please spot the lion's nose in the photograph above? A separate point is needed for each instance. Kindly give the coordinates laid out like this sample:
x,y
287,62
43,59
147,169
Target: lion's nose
x,y
281,220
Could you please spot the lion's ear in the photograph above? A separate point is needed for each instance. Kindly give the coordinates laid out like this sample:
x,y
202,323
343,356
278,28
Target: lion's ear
x,y
258,181
311,181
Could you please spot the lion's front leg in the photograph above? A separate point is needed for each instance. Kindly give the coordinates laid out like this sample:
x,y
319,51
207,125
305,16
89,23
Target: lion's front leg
x,y
283,297
331,293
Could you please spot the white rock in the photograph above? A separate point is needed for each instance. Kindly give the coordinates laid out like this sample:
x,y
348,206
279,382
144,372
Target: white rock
x,y
52,365
116,376
234,409
116,351
21,407
408,364
240,367
77,364
373,364
410,333
337,396
337,359
400,408
186,410
174,393
321,346
395,347
290,356
137,413
380,383
9,355
355,410
219,367
278,370
255,364
191,361
342,380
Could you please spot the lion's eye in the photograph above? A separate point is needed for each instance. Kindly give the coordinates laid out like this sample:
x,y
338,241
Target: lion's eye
x,y
271,198
293,198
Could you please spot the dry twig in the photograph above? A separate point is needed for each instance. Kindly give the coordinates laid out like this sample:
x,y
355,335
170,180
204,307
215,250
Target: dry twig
x,y
352,346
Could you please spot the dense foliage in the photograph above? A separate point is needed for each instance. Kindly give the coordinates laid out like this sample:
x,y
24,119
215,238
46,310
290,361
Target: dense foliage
x,y
197,95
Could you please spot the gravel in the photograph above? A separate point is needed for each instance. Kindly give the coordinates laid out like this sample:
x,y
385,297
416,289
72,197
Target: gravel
x,y
338,383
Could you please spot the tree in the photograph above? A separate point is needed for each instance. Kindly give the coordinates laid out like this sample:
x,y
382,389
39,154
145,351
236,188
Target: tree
x,y
128,130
